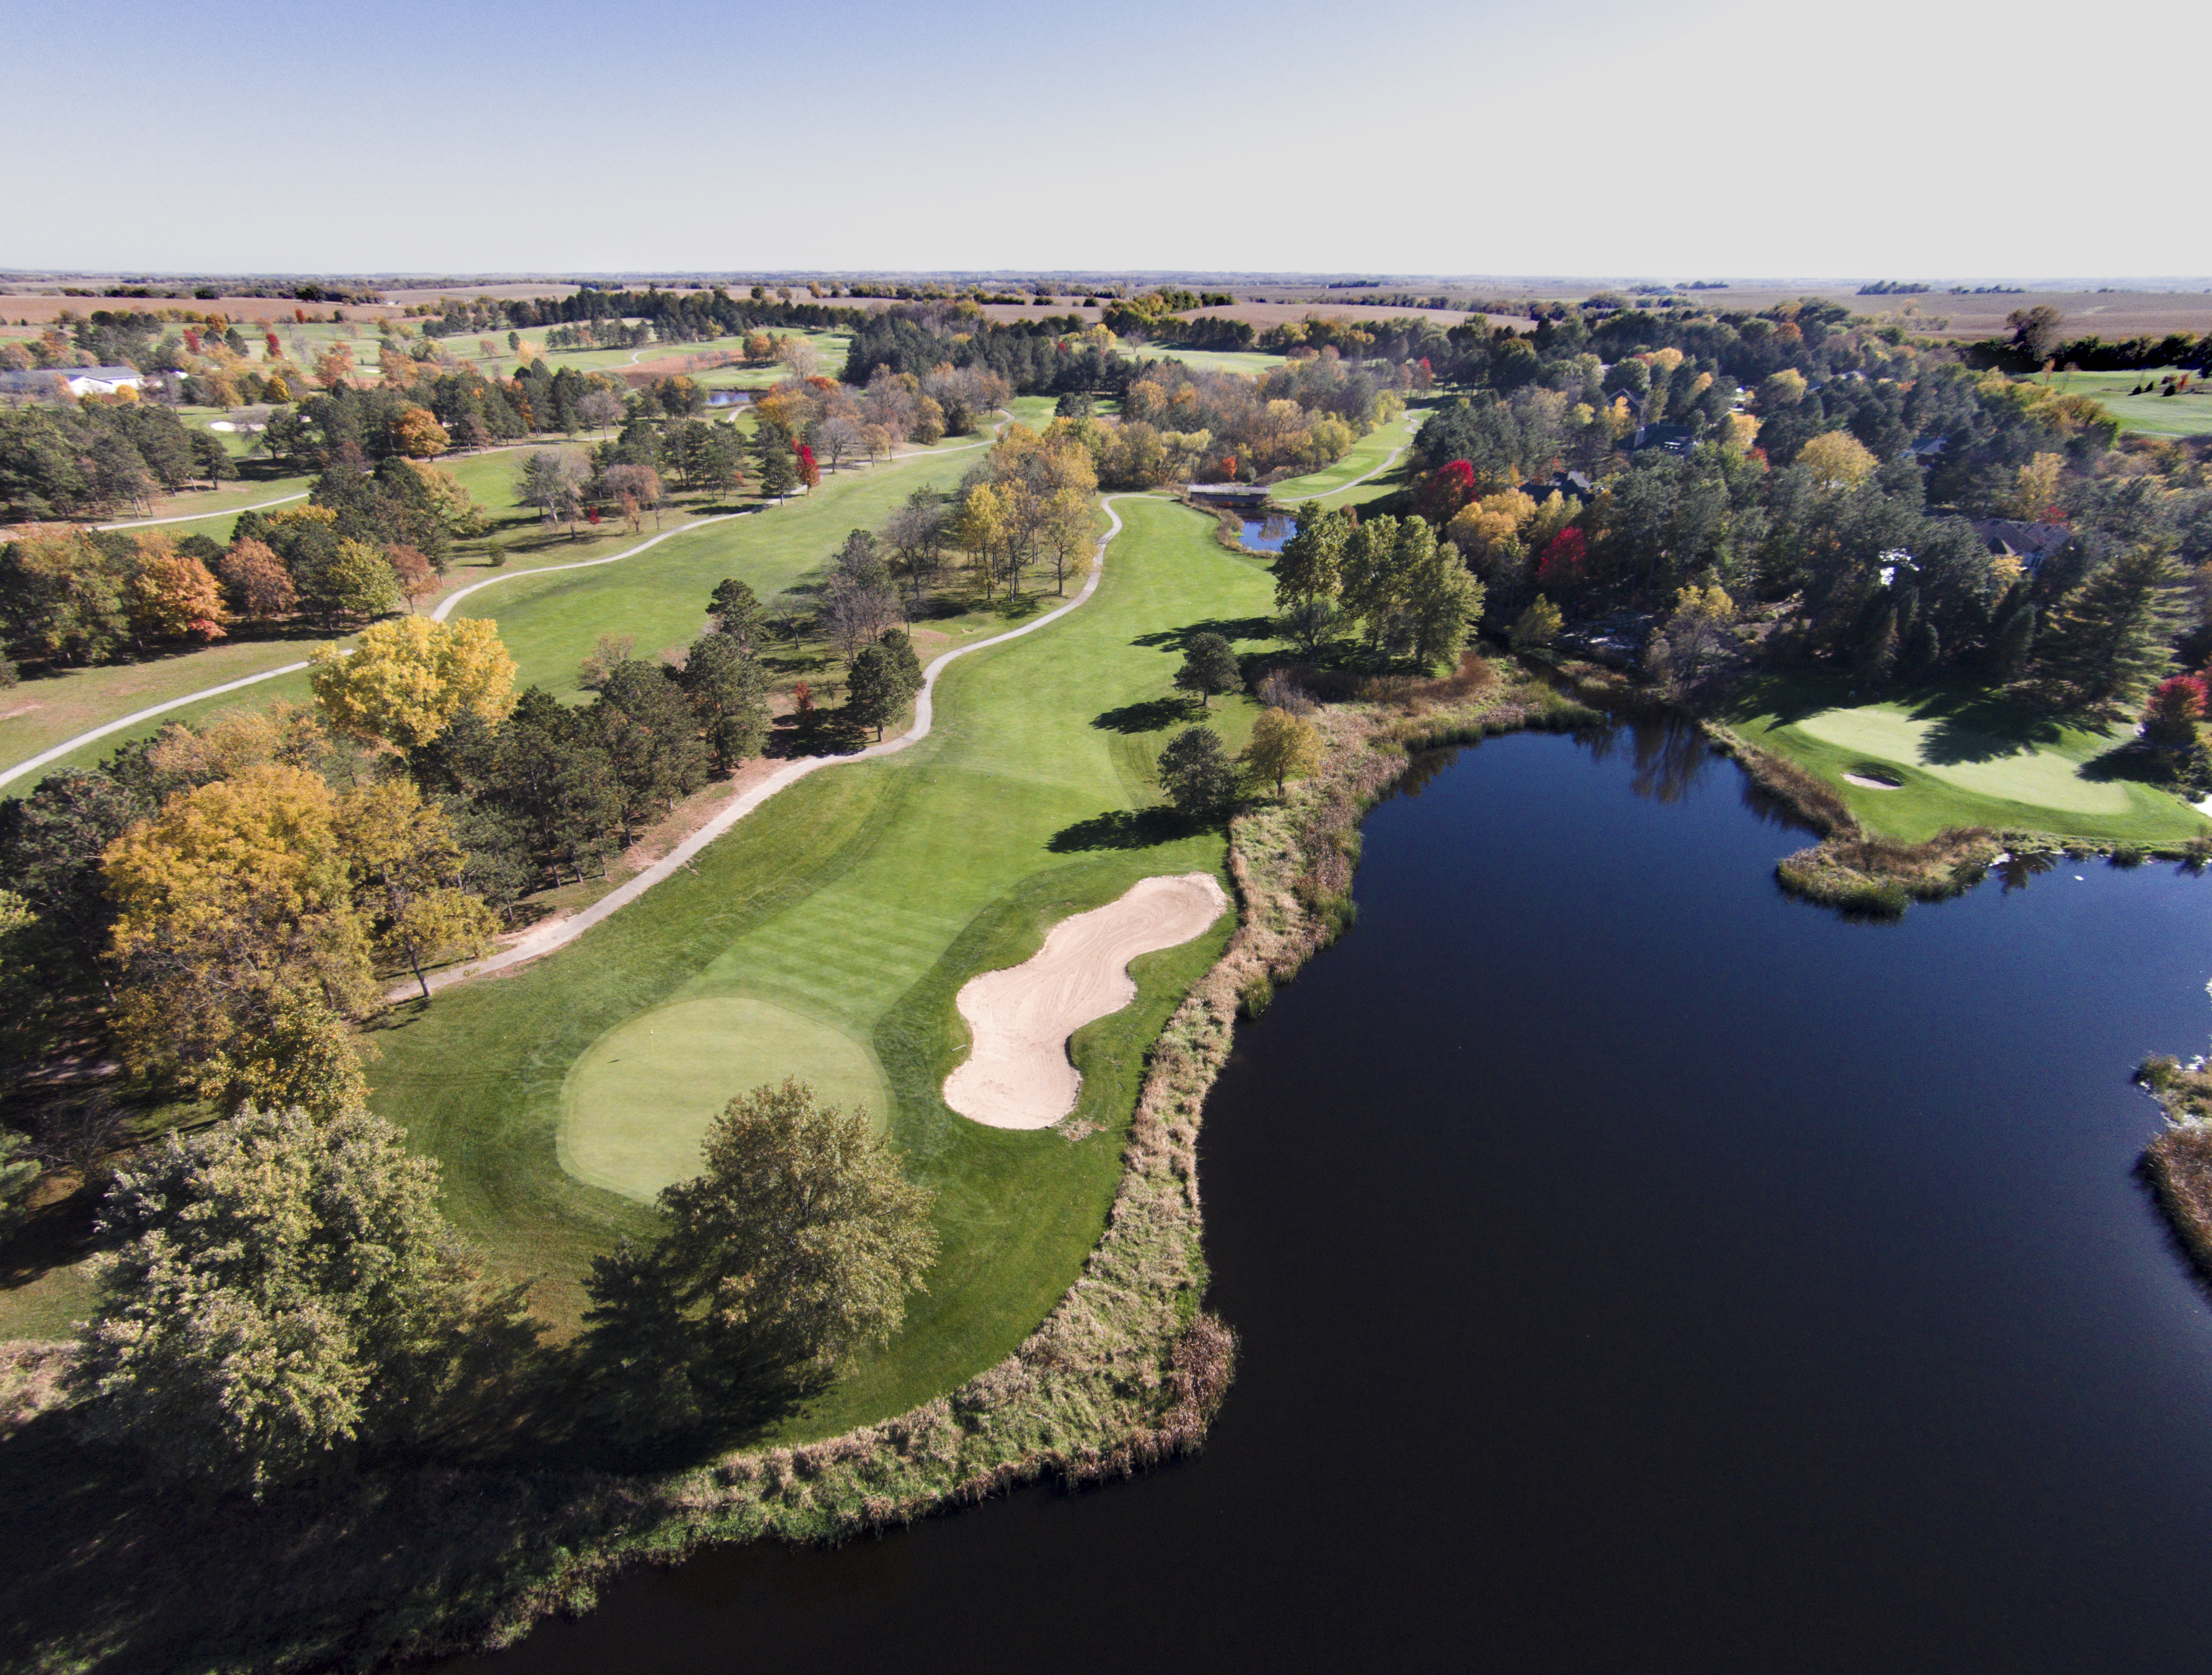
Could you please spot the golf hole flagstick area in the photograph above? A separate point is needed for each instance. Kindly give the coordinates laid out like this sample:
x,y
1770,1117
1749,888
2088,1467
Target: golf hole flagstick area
x,y
1018,1074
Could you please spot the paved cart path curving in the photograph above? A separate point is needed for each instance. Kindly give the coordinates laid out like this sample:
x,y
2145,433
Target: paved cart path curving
x,y
564,932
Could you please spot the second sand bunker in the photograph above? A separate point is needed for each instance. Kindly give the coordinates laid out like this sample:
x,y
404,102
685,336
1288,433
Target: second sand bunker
x,y
1016,1074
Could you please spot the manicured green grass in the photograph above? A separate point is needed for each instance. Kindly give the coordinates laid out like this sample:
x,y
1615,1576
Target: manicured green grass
x,y
659,599
1252,363
638,1103
556,620
203,507
2189,414
1962,757
1369,452
859,899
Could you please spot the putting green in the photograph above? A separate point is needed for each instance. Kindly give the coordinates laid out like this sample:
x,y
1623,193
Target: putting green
x,y
637,1102
2016,772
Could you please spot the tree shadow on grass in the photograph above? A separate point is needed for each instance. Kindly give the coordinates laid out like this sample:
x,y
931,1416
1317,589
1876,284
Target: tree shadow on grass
x,y
1121,829
2139,760
1230,629
1981,726
1149,717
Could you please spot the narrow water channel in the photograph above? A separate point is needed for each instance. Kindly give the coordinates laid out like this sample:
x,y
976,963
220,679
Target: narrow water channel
x,y
1636,1271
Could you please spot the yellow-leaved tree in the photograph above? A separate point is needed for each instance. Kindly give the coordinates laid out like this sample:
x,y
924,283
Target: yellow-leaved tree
x,y
417,434
409,870
1284,747
1836,459
406,679
2035,489
241,951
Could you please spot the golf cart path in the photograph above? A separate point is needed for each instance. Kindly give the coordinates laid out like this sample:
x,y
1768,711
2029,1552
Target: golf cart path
x,y
564,932
31,764
1389,460
201,517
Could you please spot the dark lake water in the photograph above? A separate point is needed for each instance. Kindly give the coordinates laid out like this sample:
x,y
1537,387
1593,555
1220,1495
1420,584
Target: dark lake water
x,y
1636,1271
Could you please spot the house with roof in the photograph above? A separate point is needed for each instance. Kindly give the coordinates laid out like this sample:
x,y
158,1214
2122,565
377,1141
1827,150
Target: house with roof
x,y
2031,543
72,380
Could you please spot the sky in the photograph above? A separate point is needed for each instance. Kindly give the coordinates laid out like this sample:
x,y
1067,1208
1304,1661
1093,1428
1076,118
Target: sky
x,y
1936,140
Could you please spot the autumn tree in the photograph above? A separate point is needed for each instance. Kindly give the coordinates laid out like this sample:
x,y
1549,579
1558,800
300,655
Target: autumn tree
x,y
1209,665
172,595
239,946
1838,459
417,434
417,577
408,871
2176,707
333,364
1283,747
802,1239
256,582
283,1296
406,679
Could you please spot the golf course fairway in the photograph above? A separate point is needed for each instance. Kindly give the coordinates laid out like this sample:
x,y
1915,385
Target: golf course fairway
x,y
858,901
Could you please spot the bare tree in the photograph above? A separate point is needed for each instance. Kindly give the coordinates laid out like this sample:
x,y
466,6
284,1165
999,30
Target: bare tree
x,y
860,602
801,356
599,409
837,436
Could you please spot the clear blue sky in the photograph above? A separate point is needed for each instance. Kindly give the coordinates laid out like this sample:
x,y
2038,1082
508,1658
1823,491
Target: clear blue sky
x,y
1669,139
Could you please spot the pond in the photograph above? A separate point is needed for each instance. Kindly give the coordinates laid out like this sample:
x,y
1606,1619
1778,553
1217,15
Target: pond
x,y
1636,1270
1267,535
729,398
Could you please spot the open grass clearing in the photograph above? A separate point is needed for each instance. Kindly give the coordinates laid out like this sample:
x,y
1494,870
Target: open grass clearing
x,y
1250,362
862,898
1960,756
2187,414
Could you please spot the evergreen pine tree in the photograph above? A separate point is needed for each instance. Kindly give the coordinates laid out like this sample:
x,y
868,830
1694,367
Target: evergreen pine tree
x,y
778,474
873,692
2109,641
1923,650
2012,634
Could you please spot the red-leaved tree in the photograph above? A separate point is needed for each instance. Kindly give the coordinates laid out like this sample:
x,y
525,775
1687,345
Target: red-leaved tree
x,y
809,472
2176,707
1565,559
1446,489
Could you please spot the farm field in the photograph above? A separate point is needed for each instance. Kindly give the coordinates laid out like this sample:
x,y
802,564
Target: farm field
x,y
859,900
2188,414
1960,758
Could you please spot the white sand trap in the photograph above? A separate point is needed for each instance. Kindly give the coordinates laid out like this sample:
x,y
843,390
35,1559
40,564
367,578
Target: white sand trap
x,y
1871,783
1018,1073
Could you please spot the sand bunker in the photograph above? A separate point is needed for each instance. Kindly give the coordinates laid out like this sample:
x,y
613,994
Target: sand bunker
x,y
1872,783
1018,1074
